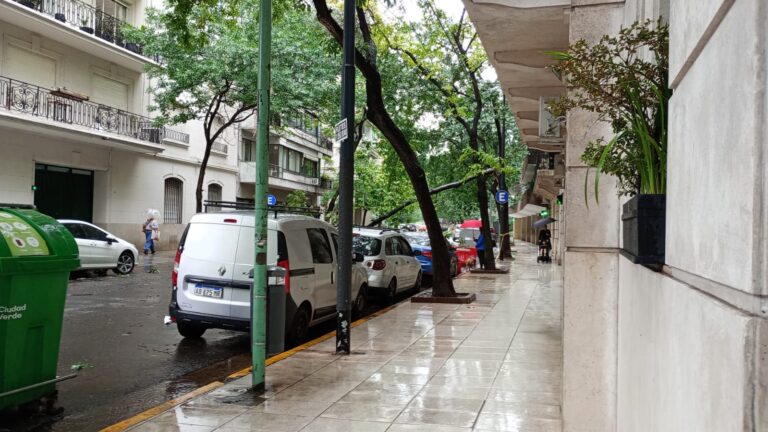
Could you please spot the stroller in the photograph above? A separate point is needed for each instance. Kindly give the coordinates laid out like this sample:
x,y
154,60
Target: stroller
x,y
545,245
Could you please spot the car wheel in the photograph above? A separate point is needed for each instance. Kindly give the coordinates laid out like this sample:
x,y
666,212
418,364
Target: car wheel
x,y
392,291
190,329
417,284
300,326
454,268
125,263
360,302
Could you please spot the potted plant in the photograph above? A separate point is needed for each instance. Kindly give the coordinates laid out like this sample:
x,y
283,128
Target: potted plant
x,y
32,4
84,25
623,78
60,17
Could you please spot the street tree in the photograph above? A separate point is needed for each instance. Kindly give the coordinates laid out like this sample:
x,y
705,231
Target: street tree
x,y
366,61
449,56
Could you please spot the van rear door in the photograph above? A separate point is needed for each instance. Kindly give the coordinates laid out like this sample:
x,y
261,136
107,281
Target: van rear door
x,y
244,261
207,266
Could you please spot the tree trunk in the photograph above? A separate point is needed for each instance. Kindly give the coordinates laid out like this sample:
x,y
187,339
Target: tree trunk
x,y
442,285
482,200
201,178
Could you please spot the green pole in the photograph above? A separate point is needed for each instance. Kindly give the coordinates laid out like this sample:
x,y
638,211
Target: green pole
x,y
259,291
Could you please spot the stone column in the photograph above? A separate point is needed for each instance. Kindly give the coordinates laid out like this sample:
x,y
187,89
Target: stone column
x,y
591,257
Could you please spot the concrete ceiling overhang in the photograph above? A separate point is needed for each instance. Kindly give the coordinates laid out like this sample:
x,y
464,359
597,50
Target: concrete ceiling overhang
x,y
516,35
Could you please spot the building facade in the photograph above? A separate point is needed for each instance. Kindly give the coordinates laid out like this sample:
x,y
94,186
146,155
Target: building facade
x,y
684,348
300,157
76,137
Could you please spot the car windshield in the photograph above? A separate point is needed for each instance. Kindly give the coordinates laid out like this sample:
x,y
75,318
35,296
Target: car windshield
x,y
365,245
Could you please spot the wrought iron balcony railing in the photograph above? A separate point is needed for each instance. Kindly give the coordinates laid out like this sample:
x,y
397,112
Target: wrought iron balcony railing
x,y
68,108
277,171
87,18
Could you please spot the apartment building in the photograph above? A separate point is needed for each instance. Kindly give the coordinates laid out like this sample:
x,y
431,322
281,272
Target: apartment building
x,y
76,138
299,156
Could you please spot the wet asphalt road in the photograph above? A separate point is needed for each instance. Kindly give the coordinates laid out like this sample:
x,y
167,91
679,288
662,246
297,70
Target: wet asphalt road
x,y
130,361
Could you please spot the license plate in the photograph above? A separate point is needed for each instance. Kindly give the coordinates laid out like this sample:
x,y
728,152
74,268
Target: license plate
x,y
208,291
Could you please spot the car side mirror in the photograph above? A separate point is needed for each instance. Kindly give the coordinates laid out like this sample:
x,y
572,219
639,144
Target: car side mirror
x,y
358,257
111,240
250,274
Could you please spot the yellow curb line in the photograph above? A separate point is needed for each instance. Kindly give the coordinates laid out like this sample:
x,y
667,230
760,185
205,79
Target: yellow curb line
x,y
152,412
285,354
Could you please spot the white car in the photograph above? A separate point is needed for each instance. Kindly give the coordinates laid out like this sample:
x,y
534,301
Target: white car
x,y
389,260
101,250
211,283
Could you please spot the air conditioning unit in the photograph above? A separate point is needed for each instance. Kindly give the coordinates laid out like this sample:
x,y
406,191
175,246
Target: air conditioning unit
x,y
549,125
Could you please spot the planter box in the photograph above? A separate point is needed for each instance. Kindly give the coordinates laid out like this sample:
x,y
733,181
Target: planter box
x,y
133,48
61,17
88,30
643,221
29,4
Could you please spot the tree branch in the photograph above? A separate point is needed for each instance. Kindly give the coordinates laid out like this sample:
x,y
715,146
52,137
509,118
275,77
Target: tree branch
x,y
434,191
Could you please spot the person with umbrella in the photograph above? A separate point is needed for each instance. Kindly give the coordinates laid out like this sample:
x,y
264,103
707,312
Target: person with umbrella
x,y
545,240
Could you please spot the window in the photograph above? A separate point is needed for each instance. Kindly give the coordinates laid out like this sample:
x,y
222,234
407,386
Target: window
x,y
365,245
309,168
321,249
291,160
173,200
91,233
75,230
248,150
113,8
335,239
214,194
392,247
405,248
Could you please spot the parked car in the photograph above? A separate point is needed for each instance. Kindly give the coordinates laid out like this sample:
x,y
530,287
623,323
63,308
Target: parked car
x,y
389,259
212,273
423,252
99,249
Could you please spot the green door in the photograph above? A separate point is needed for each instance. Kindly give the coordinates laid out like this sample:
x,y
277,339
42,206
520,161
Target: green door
x,y
64,193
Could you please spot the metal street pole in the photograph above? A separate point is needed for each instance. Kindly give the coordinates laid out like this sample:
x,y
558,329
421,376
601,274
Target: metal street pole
x,y
347,172
259,291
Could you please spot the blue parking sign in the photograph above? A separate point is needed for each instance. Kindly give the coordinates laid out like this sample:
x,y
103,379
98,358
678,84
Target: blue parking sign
x,y
502,196
271,200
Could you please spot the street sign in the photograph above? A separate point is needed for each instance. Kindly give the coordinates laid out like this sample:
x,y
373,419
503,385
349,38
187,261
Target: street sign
x,y
341,130
271,200
502,196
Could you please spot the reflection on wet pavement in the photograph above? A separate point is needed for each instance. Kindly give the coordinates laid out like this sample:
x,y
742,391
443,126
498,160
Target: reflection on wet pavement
x,y
494,365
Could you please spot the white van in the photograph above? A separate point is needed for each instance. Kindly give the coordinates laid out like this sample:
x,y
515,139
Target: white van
x,y
212,272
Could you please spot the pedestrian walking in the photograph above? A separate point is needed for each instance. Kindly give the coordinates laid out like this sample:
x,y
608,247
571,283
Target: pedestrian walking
x,y
480,247
151,230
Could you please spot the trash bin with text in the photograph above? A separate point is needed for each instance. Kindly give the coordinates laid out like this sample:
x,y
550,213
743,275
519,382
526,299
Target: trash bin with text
x,y
36,255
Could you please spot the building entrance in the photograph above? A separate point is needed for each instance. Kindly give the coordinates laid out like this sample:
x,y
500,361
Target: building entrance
x,y
64,193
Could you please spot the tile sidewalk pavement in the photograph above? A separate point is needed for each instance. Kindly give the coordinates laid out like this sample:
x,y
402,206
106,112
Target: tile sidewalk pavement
x,y
494,365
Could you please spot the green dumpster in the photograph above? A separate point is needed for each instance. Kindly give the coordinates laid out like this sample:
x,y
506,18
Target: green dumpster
x,y
36,255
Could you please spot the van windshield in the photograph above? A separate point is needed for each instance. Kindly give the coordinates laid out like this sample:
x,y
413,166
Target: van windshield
x,y
365,245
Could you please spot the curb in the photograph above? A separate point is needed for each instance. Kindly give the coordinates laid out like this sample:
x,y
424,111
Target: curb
x,y
173,403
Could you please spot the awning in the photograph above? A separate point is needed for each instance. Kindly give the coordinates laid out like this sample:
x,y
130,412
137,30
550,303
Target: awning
x,y
528,210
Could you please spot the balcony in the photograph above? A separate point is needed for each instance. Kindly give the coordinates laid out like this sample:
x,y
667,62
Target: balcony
x,y
63,109
306,126
77,24
284,179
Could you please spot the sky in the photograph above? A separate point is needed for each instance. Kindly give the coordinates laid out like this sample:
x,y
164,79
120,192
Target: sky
x,y
409,9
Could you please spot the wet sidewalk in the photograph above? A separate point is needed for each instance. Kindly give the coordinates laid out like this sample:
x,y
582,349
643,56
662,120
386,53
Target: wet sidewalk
x,y
493,365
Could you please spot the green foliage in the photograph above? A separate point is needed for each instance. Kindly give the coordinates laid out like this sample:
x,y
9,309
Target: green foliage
x,y
297,198
623,78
